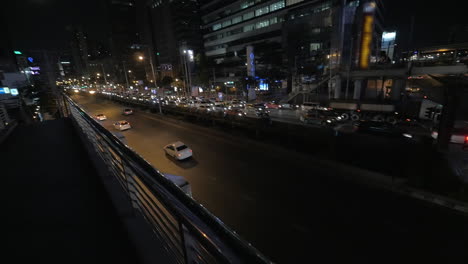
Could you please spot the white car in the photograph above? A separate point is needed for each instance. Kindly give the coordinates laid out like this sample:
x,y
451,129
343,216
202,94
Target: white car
x,y
178,150
459,135
237,104
219,107
122,125
127,111
101,117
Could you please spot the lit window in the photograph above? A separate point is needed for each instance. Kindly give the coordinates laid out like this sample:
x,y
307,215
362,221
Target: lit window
x,y
315,46
226,23
248,15
236,20
262,24
247,4
216,26
261,11
249,28
276,6
273,20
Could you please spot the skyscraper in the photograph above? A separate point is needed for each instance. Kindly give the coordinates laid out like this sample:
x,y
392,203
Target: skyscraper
x,y
175,27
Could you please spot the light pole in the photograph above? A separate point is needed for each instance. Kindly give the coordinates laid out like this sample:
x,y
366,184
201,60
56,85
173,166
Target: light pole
x,y
141,58
104,74
126,77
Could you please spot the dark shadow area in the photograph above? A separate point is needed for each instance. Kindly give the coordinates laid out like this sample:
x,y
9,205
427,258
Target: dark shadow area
x,y
56,209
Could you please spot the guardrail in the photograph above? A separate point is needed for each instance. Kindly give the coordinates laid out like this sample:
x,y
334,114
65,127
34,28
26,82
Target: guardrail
x,y
189,232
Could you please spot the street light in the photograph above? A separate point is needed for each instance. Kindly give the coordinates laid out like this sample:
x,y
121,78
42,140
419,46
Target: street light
x,y
129,71
140,58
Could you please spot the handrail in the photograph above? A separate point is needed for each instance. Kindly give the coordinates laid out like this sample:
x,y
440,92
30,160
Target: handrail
x,y
212,234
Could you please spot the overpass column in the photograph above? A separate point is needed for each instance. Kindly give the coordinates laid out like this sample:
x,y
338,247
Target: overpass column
x,y
337,87
357,89
397,87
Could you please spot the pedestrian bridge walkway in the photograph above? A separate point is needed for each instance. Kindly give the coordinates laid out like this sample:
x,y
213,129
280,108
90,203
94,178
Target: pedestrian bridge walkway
x,y
56,208
74,193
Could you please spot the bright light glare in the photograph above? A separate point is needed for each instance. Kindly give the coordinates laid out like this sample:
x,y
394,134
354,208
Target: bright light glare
x,y
407,135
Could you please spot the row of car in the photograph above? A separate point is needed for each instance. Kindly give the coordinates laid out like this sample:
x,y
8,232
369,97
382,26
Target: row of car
x,y
177,150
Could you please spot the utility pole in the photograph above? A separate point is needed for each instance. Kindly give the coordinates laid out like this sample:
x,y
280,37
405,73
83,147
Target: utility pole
x,y
125,71
104,74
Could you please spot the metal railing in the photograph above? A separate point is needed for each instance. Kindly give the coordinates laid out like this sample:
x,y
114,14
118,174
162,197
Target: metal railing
x,y
188,232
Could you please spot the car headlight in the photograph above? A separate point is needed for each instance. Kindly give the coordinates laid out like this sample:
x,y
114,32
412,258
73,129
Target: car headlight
x,y
329,121
407,135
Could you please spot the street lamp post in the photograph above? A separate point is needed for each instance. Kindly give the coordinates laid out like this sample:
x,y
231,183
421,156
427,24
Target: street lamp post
x,y
104,74
126,77
154,76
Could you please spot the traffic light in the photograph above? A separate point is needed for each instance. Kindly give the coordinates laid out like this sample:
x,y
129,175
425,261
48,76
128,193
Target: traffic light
x,y
430,112
157,53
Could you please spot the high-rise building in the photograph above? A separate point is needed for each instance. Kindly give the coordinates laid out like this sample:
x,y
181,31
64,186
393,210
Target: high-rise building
x,y
305,40
122,19
79,48
175,28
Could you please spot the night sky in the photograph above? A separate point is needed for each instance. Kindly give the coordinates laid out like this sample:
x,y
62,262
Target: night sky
x,y
43,23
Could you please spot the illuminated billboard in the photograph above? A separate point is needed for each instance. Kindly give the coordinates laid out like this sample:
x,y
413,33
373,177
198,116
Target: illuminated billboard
x,y
4,90
367,31
14,91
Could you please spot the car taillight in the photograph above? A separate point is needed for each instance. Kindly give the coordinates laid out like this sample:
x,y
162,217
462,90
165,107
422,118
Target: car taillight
x,y
178,155
466,139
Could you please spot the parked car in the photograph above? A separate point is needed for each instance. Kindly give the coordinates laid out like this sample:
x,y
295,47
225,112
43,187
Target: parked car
x,y
122,125
319,117
236,103
183,105
413,129
286,106
101,117
380,128
178,150
127,111
204,108
272,105
219,107
259,105
234,113
459,135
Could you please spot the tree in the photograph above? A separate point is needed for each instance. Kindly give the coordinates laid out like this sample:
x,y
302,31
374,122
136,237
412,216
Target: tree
x,y
166,81
204,66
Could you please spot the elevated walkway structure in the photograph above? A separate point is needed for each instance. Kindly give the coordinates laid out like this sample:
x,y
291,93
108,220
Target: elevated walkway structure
x,y
76,194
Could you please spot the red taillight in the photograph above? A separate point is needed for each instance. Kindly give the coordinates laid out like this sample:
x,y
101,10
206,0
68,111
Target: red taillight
x,y
190,150
466,139
178,155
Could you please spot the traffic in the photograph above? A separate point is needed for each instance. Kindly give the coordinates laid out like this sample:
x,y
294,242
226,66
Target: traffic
x,y
372,119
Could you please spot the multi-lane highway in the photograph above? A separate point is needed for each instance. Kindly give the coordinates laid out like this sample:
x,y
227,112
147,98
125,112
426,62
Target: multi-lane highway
x,y
292,207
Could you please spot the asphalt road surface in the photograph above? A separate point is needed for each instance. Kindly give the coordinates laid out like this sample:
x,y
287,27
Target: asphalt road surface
x,y
292,207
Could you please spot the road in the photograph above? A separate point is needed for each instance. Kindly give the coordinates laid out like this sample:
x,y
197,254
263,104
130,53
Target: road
x,y
289,205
